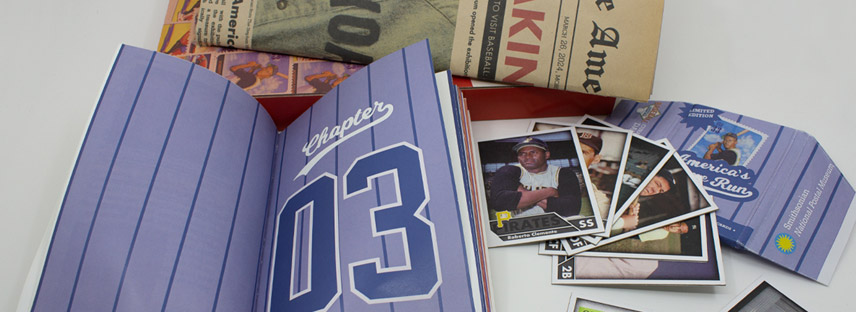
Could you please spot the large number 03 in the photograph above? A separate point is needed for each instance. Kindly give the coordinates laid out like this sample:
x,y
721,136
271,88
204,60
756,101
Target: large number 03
x,y
417,279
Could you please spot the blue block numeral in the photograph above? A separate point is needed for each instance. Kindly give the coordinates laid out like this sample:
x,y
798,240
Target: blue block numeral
x,y
418,279
420,276
318,199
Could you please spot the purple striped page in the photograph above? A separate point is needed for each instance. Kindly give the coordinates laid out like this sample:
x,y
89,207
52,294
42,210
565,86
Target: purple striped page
x,y
177,201
382,128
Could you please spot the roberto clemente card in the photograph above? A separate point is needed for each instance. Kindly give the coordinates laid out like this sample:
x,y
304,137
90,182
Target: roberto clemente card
x,y
535,187
605,152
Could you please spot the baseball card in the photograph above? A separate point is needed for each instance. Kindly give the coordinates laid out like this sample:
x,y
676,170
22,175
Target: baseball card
x,y
761,296
594,121
580,269
577,304
535,186
683,240
544,125
671,195
654,244
605,154
644,156
551,247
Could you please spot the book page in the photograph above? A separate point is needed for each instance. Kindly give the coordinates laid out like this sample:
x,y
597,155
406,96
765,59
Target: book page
x,y
368,207
166,201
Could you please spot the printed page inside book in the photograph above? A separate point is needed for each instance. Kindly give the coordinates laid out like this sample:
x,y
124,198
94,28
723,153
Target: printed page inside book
x,y
369,211
166,202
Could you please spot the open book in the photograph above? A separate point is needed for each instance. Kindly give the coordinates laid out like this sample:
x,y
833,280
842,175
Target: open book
x,y
185,197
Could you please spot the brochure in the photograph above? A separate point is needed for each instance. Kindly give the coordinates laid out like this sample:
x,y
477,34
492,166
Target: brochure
x,y
780,195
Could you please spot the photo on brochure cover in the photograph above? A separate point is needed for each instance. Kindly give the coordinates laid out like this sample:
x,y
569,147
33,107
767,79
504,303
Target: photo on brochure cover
x,y
731,142
605,153
535,187
583,269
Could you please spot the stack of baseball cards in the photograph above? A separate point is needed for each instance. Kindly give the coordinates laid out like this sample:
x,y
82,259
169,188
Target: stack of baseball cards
x,y
609,206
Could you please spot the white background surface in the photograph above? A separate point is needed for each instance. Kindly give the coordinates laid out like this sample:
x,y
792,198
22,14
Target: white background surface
x,y
788,62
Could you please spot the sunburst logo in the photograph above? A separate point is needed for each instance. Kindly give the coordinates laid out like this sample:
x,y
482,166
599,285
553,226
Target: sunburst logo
x,y
785,243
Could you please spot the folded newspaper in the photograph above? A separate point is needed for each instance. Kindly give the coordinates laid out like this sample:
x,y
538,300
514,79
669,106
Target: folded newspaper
x,y
595,46
348,31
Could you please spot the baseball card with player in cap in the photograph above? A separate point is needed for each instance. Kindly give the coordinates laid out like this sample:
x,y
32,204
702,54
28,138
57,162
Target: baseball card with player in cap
x,y
605,153
535,185
671,195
